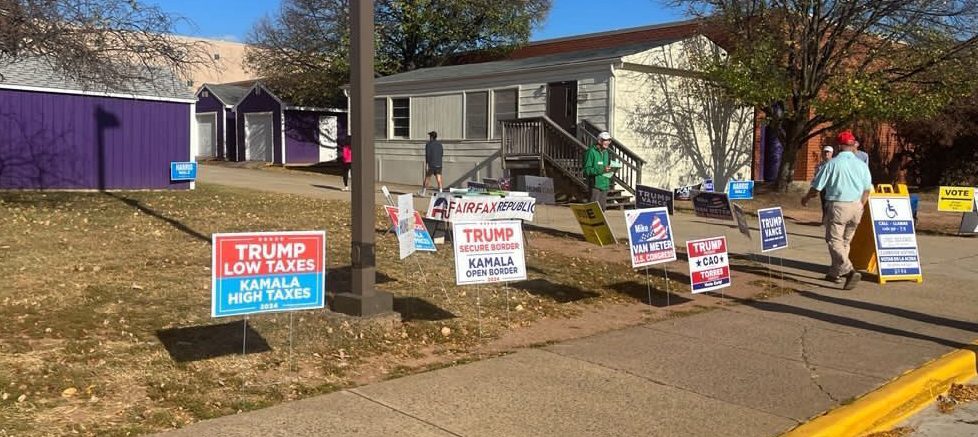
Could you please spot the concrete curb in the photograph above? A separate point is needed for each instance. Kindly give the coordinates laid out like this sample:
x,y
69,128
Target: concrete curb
x,y
882,409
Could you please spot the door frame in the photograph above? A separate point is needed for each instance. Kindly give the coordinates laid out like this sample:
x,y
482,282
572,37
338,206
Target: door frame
x,y
571,101
271,116
214,144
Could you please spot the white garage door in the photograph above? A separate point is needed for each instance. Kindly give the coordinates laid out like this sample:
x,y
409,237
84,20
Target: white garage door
x,y
259,140
327,139
206,134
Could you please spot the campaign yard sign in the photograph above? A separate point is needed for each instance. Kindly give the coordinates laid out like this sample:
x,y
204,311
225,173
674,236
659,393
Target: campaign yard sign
x,y
539,188
774,234
741,218
709,268
422,238
650,236
651,197
594,226
708,185
405,225
712,205
449,208
740,190
489,251
267,272
896,240
686,193
183,171
956,199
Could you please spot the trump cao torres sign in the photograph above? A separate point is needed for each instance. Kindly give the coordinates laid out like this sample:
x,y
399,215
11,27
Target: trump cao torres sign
x,y
267,272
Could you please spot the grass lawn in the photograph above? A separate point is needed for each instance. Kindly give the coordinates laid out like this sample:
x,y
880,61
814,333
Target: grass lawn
x,y
106,326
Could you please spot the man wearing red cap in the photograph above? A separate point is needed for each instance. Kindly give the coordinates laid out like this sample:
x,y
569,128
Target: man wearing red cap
x,y
846,182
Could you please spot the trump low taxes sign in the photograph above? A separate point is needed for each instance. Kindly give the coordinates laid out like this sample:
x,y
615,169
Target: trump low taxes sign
x,y
487,252
267,272
709,268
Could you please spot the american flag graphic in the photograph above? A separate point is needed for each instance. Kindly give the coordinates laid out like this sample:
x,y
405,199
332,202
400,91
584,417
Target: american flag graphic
x,y
658,230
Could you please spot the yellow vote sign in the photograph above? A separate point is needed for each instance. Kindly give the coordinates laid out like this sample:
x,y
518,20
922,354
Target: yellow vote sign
x,y
956,199
593,224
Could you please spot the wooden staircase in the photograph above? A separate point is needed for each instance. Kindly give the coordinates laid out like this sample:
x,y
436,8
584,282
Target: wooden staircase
x,y
537,145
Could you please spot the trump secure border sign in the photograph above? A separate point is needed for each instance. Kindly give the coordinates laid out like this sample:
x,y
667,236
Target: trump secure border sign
x,y
268,272
487,252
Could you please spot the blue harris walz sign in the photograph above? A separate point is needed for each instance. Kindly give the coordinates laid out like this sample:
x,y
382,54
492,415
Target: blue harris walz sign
x,y
774,234
183,171
740,190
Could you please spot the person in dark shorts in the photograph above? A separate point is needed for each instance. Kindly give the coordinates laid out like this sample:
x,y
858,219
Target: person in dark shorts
x,y
433,151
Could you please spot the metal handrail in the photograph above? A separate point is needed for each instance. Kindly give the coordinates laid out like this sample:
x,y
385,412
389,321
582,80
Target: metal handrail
x,y
631,174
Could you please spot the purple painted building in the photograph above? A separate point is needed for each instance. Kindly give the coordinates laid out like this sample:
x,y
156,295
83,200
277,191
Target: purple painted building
x,y
58,134
272,130
216,123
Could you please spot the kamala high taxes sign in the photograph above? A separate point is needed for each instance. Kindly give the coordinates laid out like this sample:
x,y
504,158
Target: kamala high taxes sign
x,y
268,271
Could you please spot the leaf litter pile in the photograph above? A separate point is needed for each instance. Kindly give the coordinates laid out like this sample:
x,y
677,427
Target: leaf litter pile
x,y
958,394
105,310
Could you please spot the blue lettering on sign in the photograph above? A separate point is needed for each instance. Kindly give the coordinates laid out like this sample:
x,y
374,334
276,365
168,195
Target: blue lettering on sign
x,y
183,171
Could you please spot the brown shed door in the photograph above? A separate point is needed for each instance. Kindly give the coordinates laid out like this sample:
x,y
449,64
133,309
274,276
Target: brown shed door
x,y
562,104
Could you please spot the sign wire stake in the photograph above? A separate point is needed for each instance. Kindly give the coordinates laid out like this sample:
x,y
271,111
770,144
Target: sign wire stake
x,y
648,286
665,276
292,366
781,262
478,306
244,336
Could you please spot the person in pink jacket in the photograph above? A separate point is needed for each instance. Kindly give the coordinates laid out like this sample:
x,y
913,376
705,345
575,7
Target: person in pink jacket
x,y
346,149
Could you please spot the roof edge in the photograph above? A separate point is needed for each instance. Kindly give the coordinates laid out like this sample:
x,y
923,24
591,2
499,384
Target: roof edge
x,y
96,93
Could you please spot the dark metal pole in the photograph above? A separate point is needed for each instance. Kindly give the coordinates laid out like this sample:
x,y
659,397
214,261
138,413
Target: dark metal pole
x,y
363,299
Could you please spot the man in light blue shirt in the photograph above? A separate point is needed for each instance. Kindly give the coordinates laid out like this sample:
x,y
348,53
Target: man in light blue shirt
x,y
846,183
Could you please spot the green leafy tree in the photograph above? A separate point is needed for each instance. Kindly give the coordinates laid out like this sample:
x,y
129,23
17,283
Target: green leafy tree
x,y
303,51
817,65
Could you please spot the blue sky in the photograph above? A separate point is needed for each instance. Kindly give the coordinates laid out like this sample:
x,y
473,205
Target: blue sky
x,y
232,19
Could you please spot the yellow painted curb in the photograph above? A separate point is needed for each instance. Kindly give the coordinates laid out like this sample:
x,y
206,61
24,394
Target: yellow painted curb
x,y
899,399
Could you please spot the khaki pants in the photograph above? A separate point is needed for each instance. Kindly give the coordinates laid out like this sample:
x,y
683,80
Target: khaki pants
x,y
841,221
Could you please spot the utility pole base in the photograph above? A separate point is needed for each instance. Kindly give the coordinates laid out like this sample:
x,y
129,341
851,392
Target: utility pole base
x,y
358,305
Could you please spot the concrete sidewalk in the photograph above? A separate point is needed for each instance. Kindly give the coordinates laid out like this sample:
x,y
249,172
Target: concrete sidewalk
x,y
747,369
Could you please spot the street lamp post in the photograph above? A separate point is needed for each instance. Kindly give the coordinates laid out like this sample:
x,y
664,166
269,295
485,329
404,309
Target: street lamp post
x,y
363,299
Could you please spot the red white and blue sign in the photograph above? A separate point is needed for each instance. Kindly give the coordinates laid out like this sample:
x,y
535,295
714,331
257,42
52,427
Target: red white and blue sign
x,y
650,236
774,234
422,238
740,190
712,205
896,240
709,266
708,185
268,272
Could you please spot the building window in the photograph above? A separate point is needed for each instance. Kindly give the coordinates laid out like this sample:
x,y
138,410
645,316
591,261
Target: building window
x,y
401,117
380,119
505,108
477,115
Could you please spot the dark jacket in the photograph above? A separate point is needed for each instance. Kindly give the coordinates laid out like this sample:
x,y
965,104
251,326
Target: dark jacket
x,y
433,152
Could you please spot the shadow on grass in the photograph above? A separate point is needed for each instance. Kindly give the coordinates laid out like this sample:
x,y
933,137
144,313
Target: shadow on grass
x,y
158,215
197,343
340,279
558,292
413,308
640,292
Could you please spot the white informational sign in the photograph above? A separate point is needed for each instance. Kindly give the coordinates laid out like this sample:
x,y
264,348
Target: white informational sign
x,y
487,252
896,240
709,267
969,221
405,224
475,208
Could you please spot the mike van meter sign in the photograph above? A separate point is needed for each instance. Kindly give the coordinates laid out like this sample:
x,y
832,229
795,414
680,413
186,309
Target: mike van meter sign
x,y
488,252
268,272
651,197
896,241
422,239
712,205
774,234
650,236
740,190
405,225
709,268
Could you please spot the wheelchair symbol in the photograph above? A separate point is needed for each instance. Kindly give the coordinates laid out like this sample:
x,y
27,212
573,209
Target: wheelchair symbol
x,y
890,210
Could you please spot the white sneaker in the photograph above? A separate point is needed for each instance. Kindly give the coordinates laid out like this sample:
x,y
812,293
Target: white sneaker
x,y
346,188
